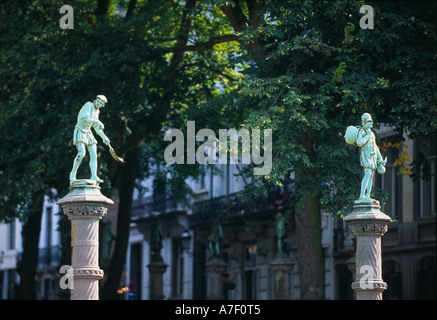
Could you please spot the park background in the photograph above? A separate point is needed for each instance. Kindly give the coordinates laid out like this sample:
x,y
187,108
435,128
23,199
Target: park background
x,y
304,69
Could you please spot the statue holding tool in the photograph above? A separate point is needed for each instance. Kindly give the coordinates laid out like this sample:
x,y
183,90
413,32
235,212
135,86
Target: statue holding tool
x,y
370,156
83,139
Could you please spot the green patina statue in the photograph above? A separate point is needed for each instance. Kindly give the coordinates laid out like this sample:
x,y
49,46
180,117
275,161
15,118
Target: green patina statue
x,y
370,156
214,238
155,240
83,139
280,232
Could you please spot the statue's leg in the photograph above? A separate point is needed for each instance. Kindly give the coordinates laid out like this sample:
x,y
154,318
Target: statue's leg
x,y
363,186
365,183
93,162
81,152
369,184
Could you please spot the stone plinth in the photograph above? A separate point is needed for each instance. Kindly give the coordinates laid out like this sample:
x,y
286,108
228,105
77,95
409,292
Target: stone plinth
x,y
368,224
282,267
85,206
215,267
157,268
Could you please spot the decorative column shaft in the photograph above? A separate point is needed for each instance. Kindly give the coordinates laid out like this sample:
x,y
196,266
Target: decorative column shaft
x,y
157,268
85,206
368,224
215,268
282,267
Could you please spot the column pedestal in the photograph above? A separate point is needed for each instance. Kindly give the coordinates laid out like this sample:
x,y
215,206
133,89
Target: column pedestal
x,y
282,267
157,268
368,224
215,267
85,206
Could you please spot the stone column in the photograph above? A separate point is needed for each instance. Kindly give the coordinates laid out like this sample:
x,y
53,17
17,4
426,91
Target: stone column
x,y
85,206
215,267
282,267
368,224
157,268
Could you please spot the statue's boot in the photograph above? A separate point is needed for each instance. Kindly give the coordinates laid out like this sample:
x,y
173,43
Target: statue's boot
x,y
96,178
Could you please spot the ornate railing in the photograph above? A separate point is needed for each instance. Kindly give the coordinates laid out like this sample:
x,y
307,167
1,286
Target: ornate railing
x,y
156,204
235,205
227,207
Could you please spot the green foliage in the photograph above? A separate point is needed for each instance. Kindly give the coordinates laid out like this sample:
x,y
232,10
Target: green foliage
x,y
48,73
314,81
348,37
338,73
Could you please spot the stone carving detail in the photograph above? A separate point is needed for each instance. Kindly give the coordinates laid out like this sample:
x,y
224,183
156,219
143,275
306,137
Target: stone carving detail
x,y
282,268
374,285
85,210
368,227
86,273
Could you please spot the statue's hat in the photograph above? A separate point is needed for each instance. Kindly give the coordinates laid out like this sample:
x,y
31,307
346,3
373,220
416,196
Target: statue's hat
x,y
366,117
103,98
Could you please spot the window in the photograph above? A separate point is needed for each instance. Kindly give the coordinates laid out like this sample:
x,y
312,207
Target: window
x,y
392,276
135,272
426,278
2,275
250,273
250,256
48,235
202,181
178,269
250,284
391,182
428,178
11,235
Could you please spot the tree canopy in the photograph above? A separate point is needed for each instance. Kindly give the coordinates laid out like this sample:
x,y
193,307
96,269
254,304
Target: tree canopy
x,y
304,69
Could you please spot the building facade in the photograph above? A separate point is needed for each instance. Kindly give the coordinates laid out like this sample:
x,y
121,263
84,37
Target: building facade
x,y
10,244
248,241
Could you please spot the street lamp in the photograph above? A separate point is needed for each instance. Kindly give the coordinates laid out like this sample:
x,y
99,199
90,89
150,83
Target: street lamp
x,y
186,241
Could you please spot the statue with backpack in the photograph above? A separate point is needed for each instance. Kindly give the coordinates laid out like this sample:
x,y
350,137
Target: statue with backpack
x,y
370,156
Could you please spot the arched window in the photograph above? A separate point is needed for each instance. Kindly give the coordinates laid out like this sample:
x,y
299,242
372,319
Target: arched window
x,y
426,279
391,274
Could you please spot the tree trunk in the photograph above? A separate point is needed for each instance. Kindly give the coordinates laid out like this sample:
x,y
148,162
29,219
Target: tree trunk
x,y
29,262
310,251
129,171
128,176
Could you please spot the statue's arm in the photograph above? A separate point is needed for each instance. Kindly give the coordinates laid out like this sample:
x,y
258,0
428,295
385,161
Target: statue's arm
x,y
361,138
102,135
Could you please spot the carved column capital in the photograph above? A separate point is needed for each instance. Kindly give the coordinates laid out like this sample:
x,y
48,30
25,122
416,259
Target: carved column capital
x,y
85,210
368,228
